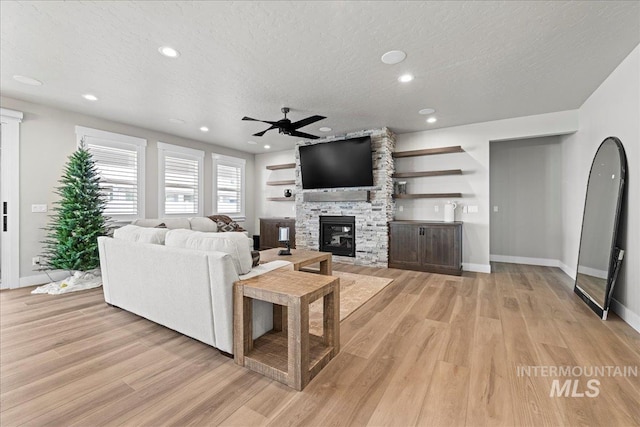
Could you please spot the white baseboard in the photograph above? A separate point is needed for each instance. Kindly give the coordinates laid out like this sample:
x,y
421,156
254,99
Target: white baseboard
x,y
478,268
568,271
600,274
631,318
546,262
42,278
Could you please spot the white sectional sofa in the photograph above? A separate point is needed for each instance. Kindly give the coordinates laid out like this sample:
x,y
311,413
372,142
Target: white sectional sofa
x,y
182,279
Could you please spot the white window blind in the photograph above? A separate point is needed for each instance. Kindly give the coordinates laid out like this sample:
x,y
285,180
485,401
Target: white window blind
x,y
118,170
180,171
120,162
229,187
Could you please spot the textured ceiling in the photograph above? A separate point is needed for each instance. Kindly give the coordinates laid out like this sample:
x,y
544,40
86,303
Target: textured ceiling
x,y
472,61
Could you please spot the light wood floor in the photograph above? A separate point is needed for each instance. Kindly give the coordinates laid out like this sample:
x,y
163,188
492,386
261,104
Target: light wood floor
x,y
429,350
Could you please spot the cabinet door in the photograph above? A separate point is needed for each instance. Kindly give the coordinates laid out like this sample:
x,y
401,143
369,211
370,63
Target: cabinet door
x,y
291,223
439,247
404,246
269,232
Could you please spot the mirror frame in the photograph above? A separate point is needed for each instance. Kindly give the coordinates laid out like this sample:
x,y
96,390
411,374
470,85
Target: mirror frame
x,y
615,253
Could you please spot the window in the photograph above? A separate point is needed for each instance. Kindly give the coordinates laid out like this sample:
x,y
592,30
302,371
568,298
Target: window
x,y
180,180
228,186
119,160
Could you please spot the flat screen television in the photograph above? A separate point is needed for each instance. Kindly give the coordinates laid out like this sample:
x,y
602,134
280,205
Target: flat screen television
x,y
346,163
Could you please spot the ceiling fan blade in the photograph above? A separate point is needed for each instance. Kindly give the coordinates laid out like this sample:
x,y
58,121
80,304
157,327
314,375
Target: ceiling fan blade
x,y
265,131
303,135
256,120
305,122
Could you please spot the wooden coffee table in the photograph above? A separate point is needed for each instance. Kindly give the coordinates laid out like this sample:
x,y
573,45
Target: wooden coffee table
x,y
300,258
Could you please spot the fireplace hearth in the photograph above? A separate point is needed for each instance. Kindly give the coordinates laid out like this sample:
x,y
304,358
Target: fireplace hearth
x,y
338,235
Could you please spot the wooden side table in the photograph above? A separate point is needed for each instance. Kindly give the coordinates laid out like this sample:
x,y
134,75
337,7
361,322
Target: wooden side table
x,y
291,356
299,258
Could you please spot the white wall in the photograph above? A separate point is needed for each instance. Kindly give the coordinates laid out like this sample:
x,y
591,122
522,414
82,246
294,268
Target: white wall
x,y
474,182
263,207
525,187
47,138
612,110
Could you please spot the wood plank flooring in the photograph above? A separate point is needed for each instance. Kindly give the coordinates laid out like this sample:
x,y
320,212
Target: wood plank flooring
x,y
429,350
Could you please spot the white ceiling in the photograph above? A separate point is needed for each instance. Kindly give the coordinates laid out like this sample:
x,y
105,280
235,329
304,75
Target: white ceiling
x,y
472,61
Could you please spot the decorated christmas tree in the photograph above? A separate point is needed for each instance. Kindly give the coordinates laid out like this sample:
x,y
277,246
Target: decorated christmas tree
x,y
78,221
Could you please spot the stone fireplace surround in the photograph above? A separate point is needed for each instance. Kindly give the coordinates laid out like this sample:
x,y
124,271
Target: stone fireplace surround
x,y
371,218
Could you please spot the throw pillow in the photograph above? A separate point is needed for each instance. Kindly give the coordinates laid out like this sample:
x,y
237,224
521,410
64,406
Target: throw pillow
x,y
227,220
222,227
255,255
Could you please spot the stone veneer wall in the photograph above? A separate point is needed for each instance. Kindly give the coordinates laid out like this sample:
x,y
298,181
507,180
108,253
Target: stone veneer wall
x,y
372,237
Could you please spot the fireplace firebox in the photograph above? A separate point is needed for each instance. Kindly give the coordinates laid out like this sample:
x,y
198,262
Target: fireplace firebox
x,y
338,235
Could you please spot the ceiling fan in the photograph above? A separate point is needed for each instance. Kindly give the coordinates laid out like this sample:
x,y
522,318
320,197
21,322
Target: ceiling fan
x,y
285,126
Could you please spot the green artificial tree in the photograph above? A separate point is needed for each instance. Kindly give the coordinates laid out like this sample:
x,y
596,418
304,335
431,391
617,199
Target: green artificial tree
x,y
72,234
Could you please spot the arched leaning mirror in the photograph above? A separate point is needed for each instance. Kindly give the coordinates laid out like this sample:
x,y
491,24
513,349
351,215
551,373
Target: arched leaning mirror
x,y
599,258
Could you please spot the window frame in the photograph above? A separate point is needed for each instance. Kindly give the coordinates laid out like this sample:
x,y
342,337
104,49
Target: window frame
x,y
124,142
179,152
220,159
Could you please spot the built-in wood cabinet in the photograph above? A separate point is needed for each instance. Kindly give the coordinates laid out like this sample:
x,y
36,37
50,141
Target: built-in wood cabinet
x,y
433,246
269,232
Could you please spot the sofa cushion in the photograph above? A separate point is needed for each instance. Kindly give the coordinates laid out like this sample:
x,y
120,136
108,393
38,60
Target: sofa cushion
x,y
170,223
238,245
203,224
133,233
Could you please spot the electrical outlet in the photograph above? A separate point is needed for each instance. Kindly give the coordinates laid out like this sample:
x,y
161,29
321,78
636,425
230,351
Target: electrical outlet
x,y
35,261
39,208
495,209
436,208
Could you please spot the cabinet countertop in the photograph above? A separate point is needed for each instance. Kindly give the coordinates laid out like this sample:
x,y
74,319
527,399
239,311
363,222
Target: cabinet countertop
x,y
429,222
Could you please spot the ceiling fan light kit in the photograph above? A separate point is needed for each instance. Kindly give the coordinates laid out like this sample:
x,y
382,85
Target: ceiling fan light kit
x,y
286,127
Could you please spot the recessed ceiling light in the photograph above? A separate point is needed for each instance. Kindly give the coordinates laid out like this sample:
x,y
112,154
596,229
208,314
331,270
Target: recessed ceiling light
x,y
405,78
251,142
204,129
325,129
432,120
90,97
169,52
393,57
177,121
27,80
426,111
267,146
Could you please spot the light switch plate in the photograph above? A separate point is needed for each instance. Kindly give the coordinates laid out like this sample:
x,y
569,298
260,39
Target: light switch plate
x,y
38,208
401,208
473,209
436,208
495,209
